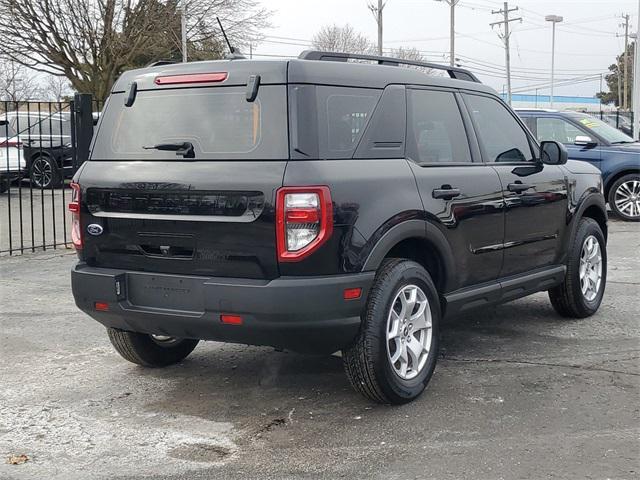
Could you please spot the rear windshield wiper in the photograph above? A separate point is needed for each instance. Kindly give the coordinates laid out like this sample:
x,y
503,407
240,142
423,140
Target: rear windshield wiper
x,y
182,148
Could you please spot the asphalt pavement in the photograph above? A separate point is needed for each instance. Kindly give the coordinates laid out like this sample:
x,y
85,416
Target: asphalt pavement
x,y
518,393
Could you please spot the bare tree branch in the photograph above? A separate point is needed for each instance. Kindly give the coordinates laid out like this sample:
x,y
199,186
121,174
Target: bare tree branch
x,y
92,42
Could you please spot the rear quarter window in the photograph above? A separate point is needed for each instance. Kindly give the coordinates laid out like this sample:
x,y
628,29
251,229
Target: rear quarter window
x,y
328,121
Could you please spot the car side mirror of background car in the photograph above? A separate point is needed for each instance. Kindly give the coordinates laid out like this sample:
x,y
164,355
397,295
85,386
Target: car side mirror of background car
x,y
584,141
553,153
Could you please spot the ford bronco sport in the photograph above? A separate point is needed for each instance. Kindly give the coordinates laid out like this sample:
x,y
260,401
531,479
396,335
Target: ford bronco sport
x,y
321,204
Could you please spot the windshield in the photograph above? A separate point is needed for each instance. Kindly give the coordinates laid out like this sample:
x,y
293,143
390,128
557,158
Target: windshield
x,y
609,133
218,122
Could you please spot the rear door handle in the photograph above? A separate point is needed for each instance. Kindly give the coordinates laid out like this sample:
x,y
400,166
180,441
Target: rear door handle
x,y
518,187
446,193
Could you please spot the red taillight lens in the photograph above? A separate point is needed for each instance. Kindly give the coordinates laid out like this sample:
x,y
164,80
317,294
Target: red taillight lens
x,y
74,208
304,221
192,78
10,143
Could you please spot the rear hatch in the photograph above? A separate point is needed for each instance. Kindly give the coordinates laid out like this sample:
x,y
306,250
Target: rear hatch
x,y
205,210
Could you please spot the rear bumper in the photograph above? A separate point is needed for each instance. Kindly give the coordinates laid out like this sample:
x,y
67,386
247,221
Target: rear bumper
x,y
305,314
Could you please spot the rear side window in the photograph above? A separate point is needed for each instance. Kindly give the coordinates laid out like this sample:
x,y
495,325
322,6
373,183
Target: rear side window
x,y
219,122
502,137
328,122
435,130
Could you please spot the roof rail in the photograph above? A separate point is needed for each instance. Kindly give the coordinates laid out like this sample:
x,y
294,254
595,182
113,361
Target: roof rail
x,y
454,72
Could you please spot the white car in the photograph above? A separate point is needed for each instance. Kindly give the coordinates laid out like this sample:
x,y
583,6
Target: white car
x,y
12,160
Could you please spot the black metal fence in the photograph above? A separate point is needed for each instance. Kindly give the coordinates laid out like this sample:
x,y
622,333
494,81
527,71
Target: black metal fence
x,y
623,121
42,144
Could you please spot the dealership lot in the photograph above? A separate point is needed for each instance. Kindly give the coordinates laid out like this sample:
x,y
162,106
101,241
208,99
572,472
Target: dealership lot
x,y
518,393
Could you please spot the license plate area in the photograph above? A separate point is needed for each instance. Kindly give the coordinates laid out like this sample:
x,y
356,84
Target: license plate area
x,y
165,292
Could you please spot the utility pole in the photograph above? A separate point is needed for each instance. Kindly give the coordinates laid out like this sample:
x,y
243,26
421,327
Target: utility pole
x,y
377,14
505,38
625,93
183,27
553,19
452,29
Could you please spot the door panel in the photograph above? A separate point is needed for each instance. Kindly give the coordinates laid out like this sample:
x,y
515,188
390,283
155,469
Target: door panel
x,y
472,223
535,195
461,197
534,217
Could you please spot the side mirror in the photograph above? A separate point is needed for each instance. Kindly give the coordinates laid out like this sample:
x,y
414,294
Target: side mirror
x,y
553,153
584,141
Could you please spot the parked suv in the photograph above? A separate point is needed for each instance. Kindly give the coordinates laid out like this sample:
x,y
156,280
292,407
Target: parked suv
x,y
319,204
589,139
45,140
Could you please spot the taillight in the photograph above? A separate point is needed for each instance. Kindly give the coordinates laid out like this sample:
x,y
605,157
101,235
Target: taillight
x,y
10,143
304,221
74,208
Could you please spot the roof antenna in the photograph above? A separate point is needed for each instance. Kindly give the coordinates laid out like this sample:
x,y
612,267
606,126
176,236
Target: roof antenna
x,y
234,54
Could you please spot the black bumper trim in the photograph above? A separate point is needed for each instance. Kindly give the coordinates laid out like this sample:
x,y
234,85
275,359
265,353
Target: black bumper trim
x,y
306,314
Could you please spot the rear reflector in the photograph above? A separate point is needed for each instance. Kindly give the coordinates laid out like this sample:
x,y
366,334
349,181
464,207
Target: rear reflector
x,y
352,293
231,319
192,78
101,306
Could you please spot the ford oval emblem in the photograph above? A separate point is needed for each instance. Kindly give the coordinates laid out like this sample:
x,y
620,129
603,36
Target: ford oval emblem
x,y
94,229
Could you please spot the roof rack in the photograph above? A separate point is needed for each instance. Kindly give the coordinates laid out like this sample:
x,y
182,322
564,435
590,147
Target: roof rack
x,y
158,63
454,72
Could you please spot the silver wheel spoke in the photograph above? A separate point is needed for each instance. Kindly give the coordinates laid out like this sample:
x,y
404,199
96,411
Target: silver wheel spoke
x,y
627,198
590,269
409,332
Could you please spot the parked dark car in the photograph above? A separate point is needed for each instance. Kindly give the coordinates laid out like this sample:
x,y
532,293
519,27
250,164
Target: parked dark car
x,y
319,204
45,139
619,121
589,139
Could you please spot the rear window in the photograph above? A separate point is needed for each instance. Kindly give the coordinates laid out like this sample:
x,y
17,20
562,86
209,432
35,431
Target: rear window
x,y
219,122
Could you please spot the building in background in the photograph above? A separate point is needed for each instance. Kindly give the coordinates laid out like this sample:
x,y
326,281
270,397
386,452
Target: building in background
x,y
560,102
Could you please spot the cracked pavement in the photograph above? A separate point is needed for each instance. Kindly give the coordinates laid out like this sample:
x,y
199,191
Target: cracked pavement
x,y
518,393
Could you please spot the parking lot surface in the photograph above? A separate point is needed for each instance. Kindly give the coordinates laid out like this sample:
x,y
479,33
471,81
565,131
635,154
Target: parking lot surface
x,y
518,393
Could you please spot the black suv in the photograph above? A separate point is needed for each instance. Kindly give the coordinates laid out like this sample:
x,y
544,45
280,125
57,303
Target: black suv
x,y
322,204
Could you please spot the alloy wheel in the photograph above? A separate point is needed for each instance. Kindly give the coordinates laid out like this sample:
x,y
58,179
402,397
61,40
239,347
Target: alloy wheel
x,y
409,332
42,172
590,268
627,198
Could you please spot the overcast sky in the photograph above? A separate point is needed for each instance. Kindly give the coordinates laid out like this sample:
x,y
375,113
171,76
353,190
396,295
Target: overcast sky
x,y
586,42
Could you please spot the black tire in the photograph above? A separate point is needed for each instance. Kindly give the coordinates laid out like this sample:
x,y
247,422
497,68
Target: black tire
x,y
5,183
622,184
567,298
144,350
44,172
366,360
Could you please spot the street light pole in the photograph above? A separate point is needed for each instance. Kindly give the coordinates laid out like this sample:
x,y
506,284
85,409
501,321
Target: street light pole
x,y
553,19
452,30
